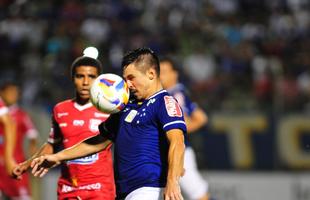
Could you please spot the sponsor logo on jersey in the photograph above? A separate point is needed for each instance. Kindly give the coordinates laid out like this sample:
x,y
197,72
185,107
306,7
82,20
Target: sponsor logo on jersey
x,y
63,124
172,107
93,186
78,122
151,101
59,115
85,160
131,115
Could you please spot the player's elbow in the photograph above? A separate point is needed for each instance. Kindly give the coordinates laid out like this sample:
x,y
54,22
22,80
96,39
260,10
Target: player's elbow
x,y
204,119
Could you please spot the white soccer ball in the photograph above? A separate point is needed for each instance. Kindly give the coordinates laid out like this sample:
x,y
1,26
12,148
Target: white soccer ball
x,y
109,93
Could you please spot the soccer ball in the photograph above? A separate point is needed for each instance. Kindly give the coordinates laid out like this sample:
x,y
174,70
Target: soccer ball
x,y
109,93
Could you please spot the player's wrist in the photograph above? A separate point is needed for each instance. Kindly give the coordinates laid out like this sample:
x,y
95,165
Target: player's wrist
x,y
173,180
58,157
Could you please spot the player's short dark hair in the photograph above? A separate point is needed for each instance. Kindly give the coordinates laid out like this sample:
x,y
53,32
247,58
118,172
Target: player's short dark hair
x,y
7,83
140,55
176,66
85,61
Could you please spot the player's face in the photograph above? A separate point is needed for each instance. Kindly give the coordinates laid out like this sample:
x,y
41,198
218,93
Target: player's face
x,y
83,78
168,76
10,95
137,81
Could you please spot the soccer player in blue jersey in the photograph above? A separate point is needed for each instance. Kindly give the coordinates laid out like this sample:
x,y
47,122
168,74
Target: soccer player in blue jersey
x,y
192,183
148,135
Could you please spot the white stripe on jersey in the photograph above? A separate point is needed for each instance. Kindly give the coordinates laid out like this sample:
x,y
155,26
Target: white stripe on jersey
x,y
175,122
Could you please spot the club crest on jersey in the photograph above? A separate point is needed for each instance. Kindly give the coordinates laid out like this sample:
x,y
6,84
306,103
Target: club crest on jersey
x,y
93,124
172,107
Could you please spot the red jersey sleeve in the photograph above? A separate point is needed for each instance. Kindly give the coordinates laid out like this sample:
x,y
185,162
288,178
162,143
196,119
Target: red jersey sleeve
x,y
3,109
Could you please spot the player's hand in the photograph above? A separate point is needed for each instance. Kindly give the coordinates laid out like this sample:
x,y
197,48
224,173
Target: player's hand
x,y
42,164
20,169
173,191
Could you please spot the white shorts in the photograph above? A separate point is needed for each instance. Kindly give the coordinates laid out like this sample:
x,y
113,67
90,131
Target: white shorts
x,y
146,193
192,183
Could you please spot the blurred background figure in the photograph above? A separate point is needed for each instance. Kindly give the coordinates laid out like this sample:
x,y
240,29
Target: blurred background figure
x,y
7,143
192,183
25,129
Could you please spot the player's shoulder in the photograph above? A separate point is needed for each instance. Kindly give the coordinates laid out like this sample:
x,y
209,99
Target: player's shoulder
x,y
167,104
17,109
160,98
3,108
63,104
2,103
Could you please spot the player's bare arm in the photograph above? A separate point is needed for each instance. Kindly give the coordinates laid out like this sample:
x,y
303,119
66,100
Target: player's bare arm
x,y
21,168
33,146
197,119
175,164
10,136
42,164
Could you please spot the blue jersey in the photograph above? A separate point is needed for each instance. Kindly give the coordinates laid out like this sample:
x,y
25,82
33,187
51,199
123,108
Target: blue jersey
x,y
141,146
180,94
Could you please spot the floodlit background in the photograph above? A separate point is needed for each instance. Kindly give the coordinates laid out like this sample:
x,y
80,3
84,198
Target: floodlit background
x,y
245,62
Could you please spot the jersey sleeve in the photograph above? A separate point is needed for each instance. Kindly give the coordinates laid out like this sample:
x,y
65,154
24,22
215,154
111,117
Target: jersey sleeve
x,y
3,109
109,128
170,114
55,136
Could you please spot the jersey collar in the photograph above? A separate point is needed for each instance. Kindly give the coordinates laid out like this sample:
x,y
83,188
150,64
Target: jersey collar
x,y
82,107
157,93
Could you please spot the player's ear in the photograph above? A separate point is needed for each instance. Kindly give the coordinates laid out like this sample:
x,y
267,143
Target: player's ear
x,y
151,73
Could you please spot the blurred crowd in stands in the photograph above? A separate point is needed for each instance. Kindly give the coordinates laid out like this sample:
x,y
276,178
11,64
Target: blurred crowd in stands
x,y
236,55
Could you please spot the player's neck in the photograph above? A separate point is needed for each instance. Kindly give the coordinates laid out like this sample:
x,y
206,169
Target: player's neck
x,y
81,101
153,90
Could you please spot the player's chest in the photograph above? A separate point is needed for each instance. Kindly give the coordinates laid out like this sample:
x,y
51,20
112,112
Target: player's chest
x,y
74,122
142,116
